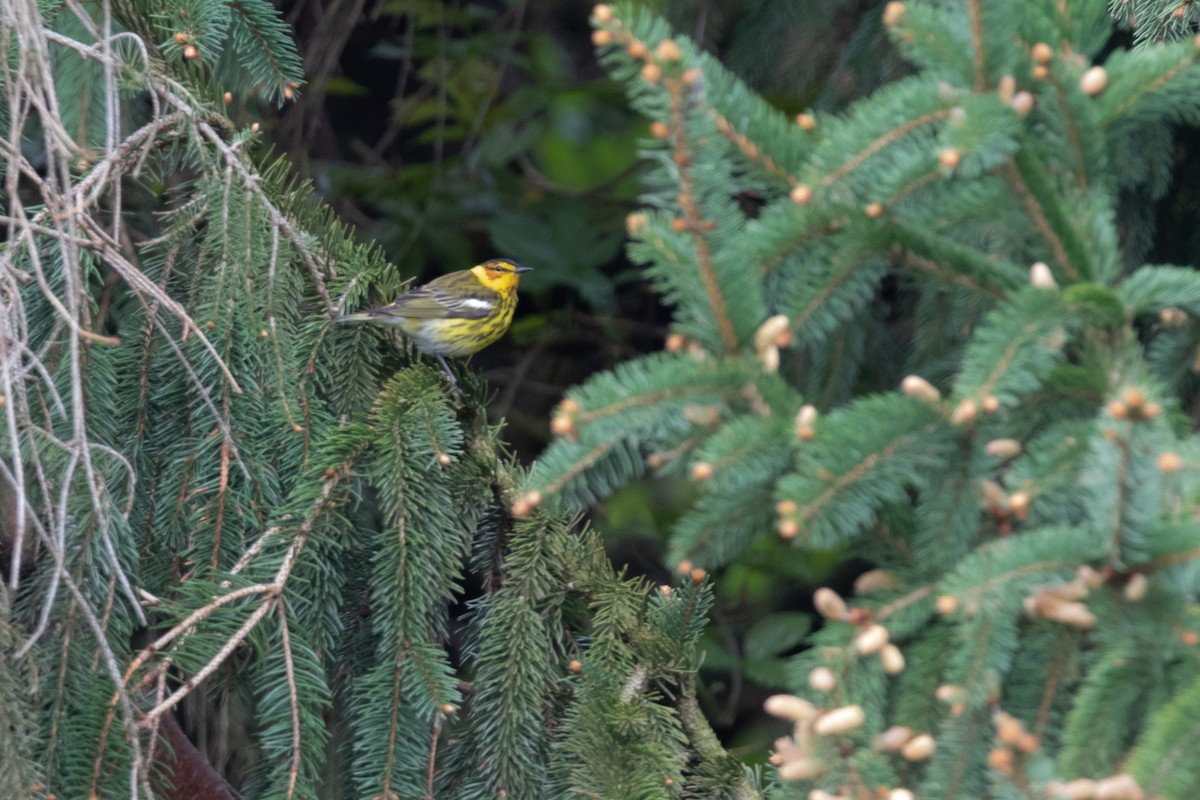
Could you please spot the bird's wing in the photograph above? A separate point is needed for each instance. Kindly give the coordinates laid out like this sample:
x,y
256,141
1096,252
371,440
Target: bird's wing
x,y
436,301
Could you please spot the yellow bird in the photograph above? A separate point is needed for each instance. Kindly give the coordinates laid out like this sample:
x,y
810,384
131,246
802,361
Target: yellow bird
x,y
455,315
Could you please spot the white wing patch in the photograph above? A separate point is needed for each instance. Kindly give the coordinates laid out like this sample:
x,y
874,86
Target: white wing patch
x,y
476,302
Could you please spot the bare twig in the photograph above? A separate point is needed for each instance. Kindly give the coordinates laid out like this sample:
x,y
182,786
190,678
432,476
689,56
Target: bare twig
x,y
293,698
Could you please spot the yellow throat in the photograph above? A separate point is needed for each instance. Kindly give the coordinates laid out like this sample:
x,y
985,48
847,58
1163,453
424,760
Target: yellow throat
x,y
499,275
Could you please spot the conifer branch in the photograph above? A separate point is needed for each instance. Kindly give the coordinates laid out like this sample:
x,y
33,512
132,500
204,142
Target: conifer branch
x,y
430,769
264,47
751,150
149,719
855,474
1073,133
1006,359
194,618
111,250
393,730
318,265
917,261
107,655
580,466
701,735
1058,666
993,275
202,390
974,595
912,186
901,603
977,50
1168,560
222,488
974,725
1121,479
818,301
1015,172
1119,112
895,134
647,400
271,592
696,225
293,698
767,264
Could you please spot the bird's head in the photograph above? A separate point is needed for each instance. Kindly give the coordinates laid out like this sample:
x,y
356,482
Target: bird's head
x,y
499,274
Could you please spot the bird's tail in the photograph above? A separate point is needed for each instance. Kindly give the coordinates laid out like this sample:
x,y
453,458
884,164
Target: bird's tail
x,y
362,316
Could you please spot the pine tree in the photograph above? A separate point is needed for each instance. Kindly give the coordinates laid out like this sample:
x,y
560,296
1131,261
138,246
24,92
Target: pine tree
x,y
922,332
224,513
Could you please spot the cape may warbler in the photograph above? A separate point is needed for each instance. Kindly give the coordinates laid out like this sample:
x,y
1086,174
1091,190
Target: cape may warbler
x,y
454,315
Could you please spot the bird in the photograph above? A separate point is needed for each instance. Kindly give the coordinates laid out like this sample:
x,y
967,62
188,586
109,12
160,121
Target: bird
x,y
456,314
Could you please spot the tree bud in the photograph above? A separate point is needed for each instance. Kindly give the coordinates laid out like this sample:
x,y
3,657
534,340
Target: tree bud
x,y
892,14
916,386
769,332
667,50
946,605
873,581
1172,317
830,604
1170,462
893,738
871,640
892,658
964,413
1022,103
1041,276
822,679
1093,81
1081,789
790,707
1076,614
1009,729
1118,787
919,748
1001,760
1136,589
1003,448
1006,88
801,769
839,720
1018,503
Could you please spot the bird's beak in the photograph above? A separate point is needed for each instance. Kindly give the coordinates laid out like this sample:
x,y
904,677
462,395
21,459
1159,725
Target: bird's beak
x,y
519,270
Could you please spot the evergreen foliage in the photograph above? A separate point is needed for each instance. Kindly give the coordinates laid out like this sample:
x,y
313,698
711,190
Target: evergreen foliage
x,y
220,510
219,505
1026,494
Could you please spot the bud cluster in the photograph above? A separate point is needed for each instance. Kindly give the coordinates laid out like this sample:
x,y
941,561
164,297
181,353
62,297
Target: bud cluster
x,y
1118,787
775,333
1061,602
1013,742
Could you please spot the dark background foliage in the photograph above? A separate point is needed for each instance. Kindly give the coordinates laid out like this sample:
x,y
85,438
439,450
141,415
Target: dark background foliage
x,y
451,132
